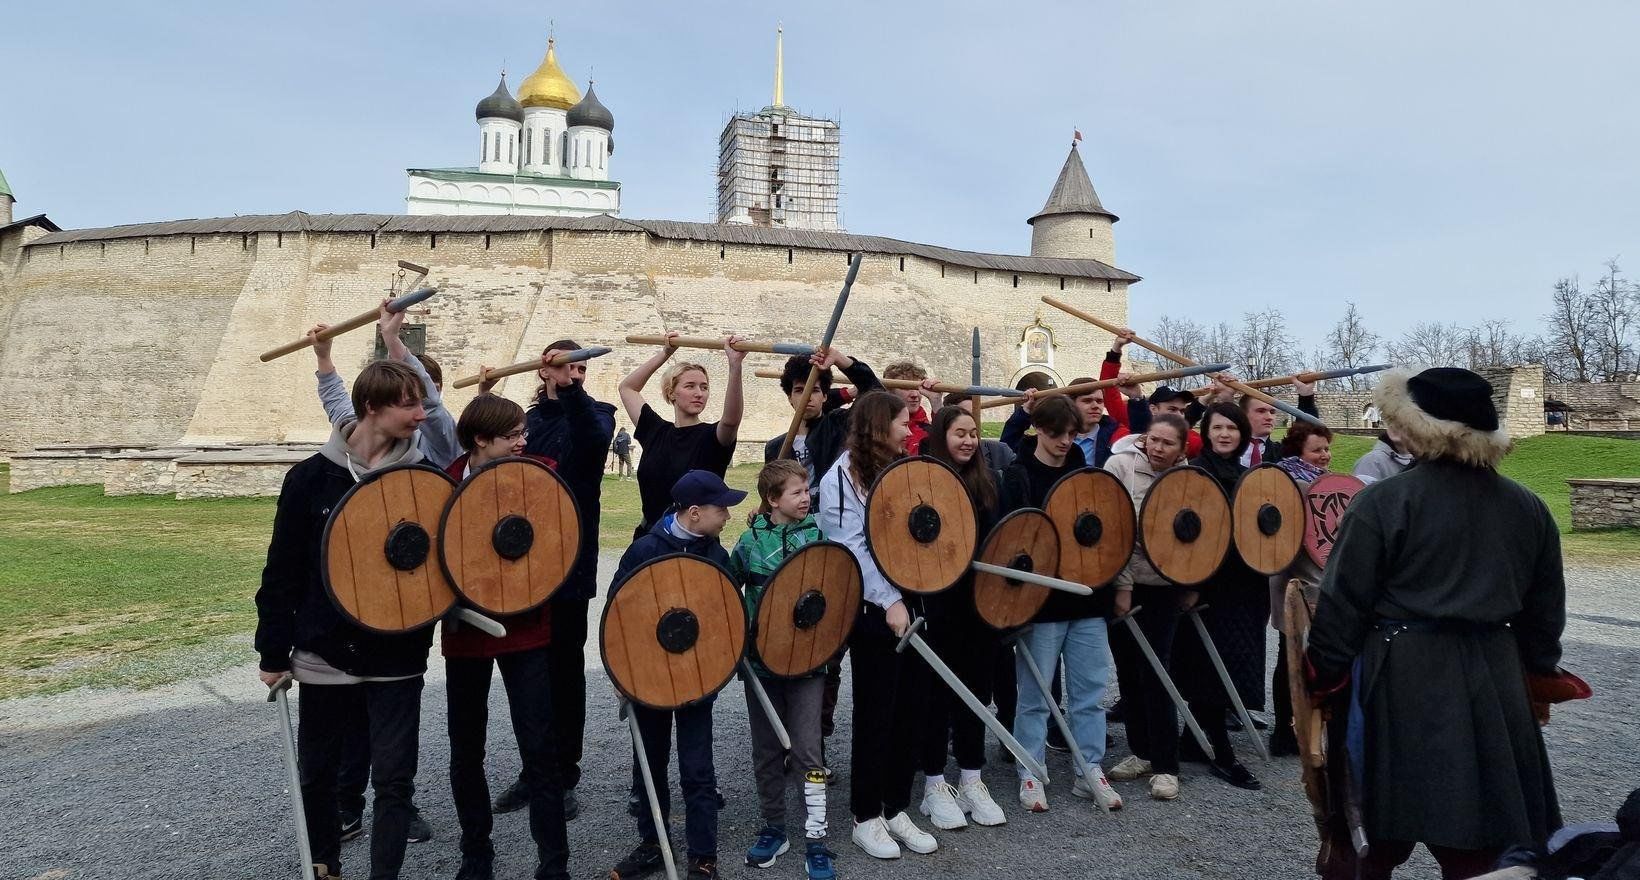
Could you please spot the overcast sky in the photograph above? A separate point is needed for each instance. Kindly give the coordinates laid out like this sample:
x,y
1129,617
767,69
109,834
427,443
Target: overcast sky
x,y
1427,160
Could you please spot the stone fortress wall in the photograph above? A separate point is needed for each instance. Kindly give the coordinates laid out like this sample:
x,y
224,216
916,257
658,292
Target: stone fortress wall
x,y
150,335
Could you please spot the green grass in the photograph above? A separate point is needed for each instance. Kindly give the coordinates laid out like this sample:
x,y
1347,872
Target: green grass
x,y
98,590
141,590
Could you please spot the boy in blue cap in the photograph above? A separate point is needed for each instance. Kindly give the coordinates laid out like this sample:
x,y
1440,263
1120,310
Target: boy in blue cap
x,y
700,508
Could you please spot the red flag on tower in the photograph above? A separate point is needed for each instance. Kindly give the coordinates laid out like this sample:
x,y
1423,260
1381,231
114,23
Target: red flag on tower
x,y
1078,134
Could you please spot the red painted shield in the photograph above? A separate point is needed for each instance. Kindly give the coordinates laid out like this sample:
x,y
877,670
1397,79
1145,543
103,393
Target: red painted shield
x,y
1324,504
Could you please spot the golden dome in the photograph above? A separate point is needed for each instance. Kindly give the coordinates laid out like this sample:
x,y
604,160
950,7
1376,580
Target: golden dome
x,y
548,86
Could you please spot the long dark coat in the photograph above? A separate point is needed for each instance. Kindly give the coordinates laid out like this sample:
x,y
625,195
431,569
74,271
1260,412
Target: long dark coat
x,y
1446,582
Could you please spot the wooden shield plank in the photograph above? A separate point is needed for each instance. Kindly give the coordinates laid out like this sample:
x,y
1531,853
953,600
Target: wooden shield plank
x,y
920,525
808,609
398,505
1093,514
1268,517
1024,540
480,549
1325,502
649,660
1185,525
1307,724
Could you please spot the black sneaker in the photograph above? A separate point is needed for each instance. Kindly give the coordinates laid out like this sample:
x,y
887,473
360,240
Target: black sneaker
x,y
1056,740
702,867
479,866
721,803
1235,774
419,831
352,826
646,859
572,804
515,798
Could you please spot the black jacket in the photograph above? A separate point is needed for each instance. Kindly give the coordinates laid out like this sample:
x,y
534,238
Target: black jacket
x,y
658,542
828,431
1025,486
575,431
292,607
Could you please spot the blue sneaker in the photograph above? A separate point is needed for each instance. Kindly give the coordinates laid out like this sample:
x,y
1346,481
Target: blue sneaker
x,y
817,861
771,844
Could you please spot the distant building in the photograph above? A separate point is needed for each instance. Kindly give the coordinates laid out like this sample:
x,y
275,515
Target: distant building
x,y
777,167
545,153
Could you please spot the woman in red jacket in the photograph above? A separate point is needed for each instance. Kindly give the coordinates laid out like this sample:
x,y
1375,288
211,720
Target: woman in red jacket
x,y
491,428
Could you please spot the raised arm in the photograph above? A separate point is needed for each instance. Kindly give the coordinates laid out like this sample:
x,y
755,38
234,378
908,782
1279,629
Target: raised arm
x,y
631,387
734,397
332,390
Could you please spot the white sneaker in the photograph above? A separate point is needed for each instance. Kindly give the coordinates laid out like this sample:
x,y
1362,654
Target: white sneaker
x,y
1164,786
974,797
939,804
904,830
872,836
1031,796
1131,767
1099,791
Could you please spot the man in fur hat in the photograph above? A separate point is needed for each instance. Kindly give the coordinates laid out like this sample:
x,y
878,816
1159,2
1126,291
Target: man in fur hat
x,y
1444,591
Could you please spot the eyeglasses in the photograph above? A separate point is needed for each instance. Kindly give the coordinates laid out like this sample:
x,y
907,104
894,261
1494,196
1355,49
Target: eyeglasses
x,y
515,436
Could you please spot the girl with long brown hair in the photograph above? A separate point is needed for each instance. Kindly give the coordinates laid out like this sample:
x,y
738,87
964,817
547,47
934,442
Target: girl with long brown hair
x,y
890,689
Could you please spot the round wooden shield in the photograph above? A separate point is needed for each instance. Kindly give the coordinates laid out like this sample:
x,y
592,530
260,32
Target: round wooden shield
x,y
1093,514
1268,516
510,536
920,525
808,609
1325,502
673,632
1027,541
1185,525
379,550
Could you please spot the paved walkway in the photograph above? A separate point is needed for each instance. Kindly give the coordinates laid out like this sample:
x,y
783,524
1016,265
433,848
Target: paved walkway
x,y
186,781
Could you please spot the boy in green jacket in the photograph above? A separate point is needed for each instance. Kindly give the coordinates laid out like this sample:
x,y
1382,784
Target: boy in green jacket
x,y
780,527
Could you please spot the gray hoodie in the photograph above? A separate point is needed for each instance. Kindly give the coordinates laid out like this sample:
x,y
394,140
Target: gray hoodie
x,y
1380,462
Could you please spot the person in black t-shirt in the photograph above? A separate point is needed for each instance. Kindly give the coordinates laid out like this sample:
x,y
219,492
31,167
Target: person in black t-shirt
x,y
673,448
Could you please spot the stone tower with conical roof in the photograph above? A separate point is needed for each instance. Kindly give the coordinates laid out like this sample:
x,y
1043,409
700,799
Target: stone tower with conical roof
x,y
1073,223
6,200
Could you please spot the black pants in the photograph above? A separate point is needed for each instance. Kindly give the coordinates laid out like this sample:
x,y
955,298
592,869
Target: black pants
x,y
890,700
1210,715
567,671
525,674
392,712
1152,720
969,647
353,776
696,774
1004,684
1281,695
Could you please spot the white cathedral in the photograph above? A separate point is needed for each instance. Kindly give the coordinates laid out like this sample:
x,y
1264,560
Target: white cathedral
x,y
544,153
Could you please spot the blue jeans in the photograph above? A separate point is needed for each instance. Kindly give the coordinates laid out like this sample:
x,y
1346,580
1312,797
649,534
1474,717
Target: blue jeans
x,y
1086,649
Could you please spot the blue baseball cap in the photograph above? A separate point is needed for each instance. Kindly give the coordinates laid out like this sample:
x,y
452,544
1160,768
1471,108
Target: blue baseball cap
x,y
704,487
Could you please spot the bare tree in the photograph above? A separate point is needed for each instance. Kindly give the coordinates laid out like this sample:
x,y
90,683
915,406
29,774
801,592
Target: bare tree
x,y
1263,346
1432,344
1350,344
1613,309
1492,343
1568,330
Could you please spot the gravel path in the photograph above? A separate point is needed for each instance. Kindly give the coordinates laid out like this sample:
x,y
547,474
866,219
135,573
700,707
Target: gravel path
x,y
186,781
